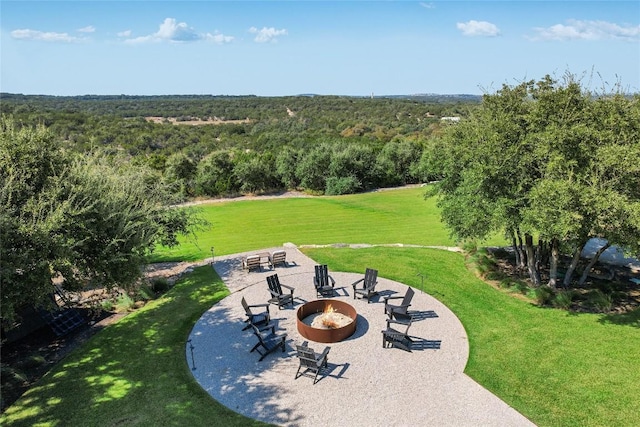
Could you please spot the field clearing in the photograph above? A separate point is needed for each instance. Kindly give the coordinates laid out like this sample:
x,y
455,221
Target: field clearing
x,y
209,121
387,217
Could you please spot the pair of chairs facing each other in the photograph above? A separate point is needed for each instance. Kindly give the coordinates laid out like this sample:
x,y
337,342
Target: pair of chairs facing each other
x,y
368,288
278,296
323,282
310,361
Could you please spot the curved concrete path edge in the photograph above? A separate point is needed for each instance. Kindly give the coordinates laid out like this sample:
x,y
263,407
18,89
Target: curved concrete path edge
x,y
364,385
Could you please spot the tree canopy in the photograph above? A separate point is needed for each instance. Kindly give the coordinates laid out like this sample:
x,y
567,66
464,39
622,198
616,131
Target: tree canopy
x,y
545,159
87,220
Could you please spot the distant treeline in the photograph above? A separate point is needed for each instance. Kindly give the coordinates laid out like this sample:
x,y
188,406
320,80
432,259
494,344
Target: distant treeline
x,y
325,144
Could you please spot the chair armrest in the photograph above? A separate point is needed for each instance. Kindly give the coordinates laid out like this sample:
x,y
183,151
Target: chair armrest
x,y
259,305
274,294
387,298
325,352
406,323
333,282
288,287
356,282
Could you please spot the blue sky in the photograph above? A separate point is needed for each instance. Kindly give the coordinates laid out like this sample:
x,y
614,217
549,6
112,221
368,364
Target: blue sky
x,y
271,48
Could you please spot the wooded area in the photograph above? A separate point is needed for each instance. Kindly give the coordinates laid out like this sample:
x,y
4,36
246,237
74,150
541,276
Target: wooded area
x,y
87,181
324,144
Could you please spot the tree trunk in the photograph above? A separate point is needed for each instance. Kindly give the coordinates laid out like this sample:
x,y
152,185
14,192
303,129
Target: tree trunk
x,y
516,250
572,266
553,264
588,268
523,256
534,273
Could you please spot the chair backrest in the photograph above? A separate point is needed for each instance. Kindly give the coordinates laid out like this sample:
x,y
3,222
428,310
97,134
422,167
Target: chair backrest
x,y
278,257
274,284
307,356
408,296
322,276
246,306
253,261
370,278
256,332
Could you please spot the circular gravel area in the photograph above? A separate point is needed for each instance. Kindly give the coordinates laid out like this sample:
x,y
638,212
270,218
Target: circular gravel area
x,y
364,385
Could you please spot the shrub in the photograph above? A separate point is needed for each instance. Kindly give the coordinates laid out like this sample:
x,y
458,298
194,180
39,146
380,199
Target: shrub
x,y
342,185
160,285
124,303
601,301
543,295
563,299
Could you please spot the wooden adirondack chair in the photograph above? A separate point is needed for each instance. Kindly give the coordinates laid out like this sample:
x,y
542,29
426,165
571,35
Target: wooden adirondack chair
x,y
398,310
268,343
323,283
261,318
278,297
369,282
310,361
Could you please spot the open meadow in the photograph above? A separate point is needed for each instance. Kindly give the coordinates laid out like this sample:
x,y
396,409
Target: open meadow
x,y
556,368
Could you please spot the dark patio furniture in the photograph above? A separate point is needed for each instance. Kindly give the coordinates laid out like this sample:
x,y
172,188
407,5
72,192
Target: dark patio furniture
x,y
267,343
369,282
278,297
311,363
261,319
395,337
392,310
323,283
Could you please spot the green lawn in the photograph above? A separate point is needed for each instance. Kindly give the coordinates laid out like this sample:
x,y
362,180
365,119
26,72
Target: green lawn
x,y
386,217
556,368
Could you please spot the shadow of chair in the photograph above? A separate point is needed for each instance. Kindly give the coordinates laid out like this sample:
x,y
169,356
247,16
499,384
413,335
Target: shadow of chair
x,y
310,361
267,343
323,282
394,337
369,282
278,297
391,309
261,319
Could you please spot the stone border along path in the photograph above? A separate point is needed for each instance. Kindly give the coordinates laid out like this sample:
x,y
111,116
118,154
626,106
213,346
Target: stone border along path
x,y
366,384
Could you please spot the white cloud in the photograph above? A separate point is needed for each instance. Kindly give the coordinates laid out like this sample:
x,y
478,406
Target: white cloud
x,y
126,33
87,29
177,32
267,34
219,38
428,5
587,30
26,34
478,28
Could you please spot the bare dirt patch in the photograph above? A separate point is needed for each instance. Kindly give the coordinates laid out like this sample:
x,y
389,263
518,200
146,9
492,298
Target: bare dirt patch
x,y
192,121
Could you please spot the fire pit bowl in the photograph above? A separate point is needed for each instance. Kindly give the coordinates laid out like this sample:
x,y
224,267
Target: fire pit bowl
x,y
334,333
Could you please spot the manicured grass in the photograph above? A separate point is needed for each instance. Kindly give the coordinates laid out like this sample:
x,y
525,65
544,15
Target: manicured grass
x,y
133,372
556,368
386,217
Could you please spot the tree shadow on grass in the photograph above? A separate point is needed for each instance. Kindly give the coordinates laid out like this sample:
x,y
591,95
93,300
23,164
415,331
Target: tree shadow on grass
x,y
631,318
134,371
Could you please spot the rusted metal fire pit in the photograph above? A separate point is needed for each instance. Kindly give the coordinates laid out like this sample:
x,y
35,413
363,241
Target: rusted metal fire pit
x,y
331,334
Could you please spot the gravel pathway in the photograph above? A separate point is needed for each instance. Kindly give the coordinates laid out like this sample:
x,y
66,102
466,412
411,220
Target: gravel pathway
x,y
365,384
